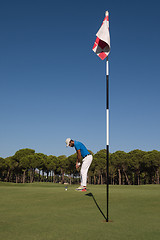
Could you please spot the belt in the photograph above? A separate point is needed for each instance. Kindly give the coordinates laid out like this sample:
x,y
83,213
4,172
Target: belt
x,y
87,155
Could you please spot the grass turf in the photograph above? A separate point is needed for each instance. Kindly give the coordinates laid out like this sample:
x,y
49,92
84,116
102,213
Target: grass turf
x,y
45,211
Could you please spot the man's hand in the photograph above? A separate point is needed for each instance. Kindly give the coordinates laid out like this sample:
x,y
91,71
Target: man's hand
x,y
77,165
78,159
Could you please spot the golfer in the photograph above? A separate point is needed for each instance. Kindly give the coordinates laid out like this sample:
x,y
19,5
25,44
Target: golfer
x,y
86,161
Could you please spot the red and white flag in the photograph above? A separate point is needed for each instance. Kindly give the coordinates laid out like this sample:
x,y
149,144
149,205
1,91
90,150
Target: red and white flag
x,y
102,44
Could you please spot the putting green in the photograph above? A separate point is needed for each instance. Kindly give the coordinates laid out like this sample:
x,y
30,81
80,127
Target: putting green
x,y
45,211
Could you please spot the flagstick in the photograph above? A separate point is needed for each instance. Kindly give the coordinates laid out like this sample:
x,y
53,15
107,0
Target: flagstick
x,y
102,51
107,134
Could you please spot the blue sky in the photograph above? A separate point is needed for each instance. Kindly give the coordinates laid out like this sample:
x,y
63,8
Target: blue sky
x,y
52,85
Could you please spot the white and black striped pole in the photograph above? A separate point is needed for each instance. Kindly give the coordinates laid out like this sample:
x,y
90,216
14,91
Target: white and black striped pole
x,y
102,48
107,135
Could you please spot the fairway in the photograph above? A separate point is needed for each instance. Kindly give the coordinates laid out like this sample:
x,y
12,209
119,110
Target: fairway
x,y
45,211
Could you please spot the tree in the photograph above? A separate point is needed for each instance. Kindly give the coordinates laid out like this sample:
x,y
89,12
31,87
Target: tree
x,y
152,164
118,160
42,164
135,167
62,166
21,161
2,168
52,166
71,166
99,166
135,158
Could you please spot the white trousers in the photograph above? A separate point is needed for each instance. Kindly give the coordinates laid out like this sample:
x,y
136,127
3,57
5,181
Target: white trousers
x,y
86,162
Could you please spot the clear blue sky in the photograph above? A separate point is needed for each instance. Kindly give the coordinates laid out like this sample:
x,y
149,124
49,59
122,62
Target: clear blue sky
x,y
52,85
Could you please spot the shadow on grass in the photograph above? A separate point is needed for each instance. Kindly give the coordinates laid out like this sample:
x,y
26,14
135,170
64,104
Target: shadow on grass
x,y
91,195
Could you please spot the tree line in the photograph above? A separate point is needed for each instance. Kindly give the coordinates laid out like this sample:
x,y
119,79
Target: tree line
x,y
133,168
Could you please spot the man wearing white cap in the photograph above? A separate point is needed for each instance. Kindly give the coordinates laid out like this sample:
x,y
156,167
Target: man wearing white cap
x,y
86,161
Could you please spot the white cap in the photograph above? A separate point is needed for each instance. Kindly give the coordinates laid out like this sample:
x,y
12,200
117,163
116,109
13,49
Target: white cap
x,y
68,141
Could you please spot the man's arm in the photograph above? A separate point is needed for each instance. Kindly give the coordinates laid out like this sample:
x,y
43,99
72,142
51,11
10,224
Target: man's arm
x,y
78,158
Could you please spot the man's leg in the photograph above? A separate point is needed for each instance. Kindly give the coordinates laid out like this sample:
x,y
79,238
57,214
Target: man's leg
x,y
86,162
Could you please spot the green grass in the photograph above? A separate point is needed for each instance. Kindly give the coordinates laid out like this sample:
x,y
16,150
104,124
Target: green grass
x,y
45,211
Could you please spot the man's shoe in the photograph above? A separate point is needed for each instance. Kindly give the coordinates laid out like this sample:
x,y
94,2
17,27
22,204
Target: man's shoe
x,y
81,189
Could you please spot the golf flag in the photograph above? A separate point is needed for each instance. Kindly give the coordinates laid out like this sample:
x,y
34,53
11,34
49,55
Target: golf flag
x,y
102,48
102,44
